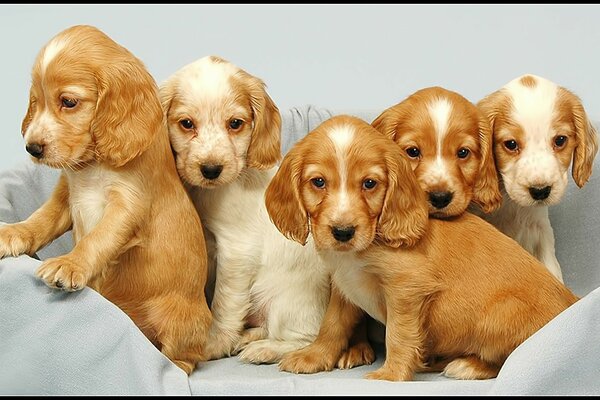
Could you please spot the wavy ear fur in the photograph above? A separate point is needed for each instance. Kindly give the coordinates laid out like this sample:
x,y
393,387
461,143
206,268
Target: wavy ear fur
x,y
587,143
29,115
282,198
405,213
384,123
486,192
128,112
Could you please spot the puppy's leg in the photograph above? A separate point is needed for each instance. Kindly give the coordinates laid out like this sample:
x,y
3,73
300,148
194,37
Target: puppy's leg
x,y
360,351
336,330
47,223
103,244
403,336
547,253
470,367
230,305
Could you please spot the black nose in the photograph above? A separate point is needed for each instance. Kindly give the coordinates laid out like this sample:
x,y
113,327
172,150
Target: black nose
x,y
440,199
35,150
211,171
540,193
343,234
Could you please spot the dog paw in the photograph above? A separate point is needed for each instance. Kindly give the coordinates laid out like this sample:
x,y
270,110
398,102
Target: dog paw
x,y
357,355
248,336
387,374
13,241
63,273
217,348
260,352
308,360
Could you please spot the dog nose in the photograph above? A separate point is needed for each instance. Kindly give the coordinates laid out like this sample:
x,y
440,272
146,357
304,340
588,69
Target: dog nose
x,y
343,234
540,193
211,171
36,150
440,199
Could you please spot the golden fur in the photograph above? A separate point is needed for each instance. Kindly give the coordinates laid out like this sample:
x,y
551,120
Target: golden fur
x,y
94,112
440,167
454,293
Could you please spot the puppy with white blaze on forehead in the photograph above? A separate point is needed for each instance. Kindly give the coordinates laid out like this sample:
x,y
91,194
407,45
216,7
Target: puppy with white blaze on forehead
x,y
539,129
270,293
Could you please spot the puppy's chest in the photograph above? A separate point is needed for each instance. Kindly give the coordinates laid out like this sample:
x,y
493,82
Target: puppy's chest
x,y
88,196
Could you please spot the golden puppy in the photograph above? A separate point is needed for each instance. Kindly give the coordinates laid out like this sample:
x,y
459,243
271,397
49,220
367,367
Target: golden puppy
x,y
455,293
449,144
94,112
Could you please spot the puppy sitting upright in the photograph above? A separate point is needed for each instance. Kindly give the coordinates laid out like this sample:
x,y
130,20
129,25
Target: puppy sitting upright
x,y
449,144
539,129
270,293
94,112
455,293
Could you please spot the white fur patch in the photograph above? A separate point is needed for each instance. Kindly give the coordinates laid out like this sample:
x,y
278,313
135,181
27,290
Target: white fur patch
x,y
52,49
342,138
439,111
206,80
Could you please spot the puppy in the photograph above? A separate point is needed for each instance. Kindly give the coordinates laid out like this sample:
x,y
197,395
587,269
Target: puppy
x,y
270,293
449,144
94,113
453,293
538,128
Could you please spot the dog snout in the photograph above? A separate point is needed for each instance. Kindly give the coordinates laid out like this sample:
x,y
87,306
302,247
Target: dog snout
x,y
211,171
538,193
343,233
440,199
36,150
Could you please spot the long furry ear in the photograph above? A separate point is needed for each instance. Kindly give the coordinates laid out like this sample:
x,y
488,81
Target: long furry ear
x,y
385,124
405,211
587,143
128,112
265,143
166,93
282,198
29,115
486,192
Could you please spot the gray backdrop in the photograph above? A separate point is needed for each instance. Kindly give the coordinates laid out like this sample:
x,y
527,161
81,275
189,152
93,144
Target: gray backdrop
x,y
335,56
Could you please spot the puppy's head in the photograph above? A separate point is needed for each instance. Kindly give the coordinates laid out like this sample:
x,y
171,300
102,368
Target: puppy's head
x,y
90,100
538,128
348,185
221,120
448,142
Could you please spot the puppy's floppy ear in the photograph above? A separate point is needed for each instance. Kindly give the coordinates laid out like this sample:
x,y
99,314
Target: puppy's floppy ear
x,y
386,123
587,141
166,93
29,115
405,211
128,112
282,198
486,192
265,143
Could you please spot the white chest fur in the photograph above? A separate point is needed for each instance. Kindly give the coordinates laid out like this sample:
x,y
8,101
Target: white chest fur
x,y
88,192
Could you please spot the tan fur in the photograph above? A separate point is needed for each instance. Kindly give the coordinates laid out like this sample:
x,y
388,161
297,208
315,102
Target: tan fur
x,y
474,178
463,297
528,81
146,252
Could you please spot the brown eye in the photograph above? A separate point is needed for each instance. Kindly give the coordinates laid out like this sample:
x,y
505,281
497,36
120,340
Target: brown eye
x,y
413,152
68,103
560,141
319,183
369,184
235,124
463,152
186,124
511,145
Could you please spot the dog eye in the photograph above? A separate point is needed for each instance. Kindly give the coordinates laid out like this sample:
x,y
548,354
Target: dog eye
x,y
413,152
68,103
463,152
319,183
369,184
511,145
236,124
559,141
186,124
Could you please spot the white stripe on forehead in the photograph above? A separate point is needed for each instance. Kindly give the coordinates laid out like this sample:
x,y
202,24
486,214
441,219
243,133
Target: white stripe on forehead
x,y
533,107
52,49
342,138
206,80
439,111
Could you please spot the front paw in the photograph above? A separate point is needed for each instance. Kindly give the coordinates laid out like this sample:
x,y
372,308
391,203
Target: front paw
x,y
360,354
388,374
308,360
14,241
63,273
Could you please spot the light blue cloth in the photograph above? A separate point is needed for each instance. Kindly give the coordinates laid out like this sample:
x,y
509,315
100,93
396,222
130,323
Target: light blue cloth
x,y
54,343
